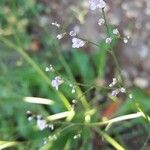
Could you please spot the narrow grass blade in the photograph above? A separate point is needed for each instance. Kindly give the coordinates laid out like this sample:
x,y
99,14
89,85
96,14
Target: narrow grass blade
x,y
6,144
38,100
60,115
110,140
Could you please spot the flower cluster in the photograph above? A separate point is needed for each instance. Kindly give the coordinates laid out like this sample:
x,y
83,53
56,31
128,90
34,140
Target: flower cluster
x,y
60,36
77,136
40,122
49,68
101,21
56,82
77,43
72,33
117,91
73,88
95,4
113,82
56,24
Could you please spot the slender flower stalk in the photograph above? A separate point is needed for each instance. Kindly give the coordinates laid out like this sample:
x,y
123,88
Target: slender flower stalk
x,y
112,51
103,123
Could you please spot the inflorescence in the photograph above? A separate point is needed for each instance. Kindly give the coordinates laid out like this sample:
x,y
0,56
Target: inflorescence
x,y
58,80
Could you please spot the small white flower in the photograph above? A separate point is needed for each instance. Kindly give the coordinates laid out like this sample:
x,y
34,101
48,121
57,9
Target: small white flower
x,y
45,141
77,136
110,85
57,82
130,96
128,37
72,33
50,68
73,88
42,124
115,31
125,40
74,101
70,85
101,21
60,36
108,40
115,92
30,118
39,117
94,4
123,90
52,138
56,24
77,43
113,82
47,69
51,126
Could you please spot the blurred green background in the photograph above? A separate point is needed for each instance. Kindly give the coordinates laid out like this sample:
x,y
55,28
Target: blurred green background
x,y
27,45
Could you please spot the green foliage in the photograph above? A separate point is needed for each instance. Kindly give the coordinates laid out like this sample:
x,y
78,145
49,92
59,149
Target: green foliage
x,y
22,75
82,65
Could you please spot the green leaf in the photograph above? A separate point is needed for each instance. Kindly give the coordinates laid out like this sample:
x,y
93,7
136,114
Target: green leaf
x,y
100,59
83,65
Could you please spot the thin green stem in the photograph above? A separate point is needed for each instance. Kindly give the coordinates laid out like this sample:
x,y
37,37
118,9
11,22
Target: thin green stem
x,y
102,123
106,24
112,51
88,41
81,84
114,120
68,71
118,67
78,90
109,139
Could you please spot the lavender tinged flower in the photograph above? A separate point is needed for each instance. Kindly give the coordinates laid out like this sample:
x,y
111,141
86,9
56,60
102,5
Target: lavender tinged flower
x,y
72,33
94,4
77,43
115,92
57,82
73,88
42,124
